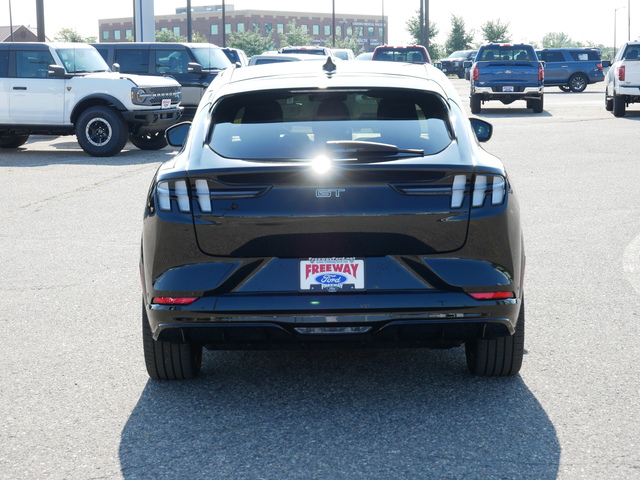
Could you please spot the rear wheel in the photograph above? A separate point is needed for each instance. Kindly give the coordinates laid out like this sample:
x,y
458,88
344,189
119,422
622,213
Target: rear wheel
x,y
497,357
476,104
101,131
169,361
149,141
619,106
13,141
578,83
537,105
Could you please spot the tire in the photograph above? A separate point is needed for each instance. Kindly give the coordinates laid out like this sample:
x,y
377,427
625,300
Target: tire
x,y
169,361
578,83
13,141
497,357
608,103
537,105
619,106
149,141
101,131
476,104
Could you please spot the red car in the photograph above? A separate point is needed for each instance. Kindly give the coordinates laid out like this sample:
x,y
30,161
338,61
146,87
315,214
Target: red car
x,y
408,53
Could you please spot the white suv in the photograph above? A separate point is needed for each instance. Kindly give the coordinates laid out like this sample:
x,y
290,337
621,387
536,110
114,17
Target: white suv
x,y
67,88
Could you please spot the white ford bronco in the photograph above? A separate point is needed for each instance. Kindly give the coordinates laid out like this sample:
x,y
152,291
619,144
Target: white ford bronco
x,y
67,88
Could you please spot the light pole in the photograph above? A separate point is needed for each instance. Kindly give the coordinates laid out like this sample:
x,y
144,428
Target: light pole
x,y
333,23
10,21
615,28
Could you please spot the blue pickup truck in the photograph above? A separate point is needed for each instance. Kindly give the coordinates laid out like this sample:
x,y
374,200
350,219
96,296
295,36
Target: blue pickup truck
x,y
507,73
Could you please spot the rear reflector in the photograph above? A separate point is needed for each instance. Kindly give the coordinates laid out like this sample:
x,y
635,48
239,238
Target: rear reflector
x,y
174,300
492,295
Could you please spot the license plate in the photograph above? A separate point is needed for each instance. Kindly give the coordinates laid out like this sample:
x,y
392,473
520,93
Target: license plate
x,y
332,274
166,103
444,70
507,89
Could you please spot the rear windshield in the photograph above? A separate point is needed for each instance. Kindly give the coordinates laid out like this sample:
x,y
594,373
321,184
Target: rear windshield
x,y
307,51
632,52
508,53
401,55
280,125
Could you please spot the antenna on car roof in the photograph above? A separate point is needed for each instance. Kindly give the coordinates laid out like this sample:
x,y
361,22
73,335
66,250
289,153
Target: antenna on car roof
x,y
329,67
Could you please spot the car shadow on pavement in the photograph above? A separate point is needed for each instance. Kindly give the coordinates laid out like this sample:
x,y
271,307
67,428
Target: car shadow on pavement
x,y
347,414
511,113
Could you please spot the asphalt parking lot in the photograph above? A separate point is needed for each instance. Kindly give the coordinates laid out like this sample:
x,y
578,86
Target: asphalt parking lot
x,y
76,401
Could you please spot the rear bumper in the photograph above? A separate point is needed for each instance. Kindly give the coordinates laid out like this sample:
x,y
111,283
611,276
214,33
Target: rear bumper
x,y
401,319
527,93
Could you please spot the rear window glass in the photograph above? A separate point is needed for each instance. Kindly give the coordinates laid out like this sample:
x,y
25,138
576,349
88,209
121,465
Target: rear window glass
x,y
632,52
551,56
277,125
509,53
400,55
585,56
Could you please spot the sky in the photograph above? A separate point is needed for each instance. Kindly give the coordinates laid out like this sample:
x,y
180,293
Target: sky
x,y
527,22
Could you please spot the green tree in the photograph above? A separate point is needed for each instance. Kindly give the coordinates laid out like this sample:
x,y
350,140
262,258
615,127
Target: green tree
x,y
412,27
557,40
251,42
70,35
459,38
350,42
496,32
170,37
295,36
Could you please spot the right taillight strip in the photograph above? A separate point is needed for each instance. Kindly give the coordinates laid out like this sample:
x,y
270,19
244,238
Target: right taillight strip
x,y
483,185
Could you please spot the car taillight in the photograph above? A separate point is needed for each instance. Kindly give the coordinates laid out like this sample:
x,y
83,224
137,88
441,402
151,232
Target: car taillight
x,y
180,193
599,66
622,73
492,295
540,73
483,185
174,300
476,74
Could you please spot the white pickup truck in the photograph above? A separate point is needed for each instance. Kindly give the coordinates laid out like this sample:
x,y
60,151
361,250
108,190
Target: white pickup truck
x,y
622,83
67,89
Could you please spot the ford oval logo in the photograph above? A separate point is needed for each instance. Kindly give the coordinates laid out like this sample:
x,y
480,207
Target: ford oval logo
x,y
331,279
508,71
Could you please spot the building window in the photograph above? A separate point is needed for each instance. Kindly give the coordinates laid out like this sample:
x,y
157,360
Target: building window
x,y
280,27
316,29
214,29
360,31
116,34
227,28
268,28
381,32
304,28
128,34
349,31
371,31
105,35
240,27
327,30
256,27
339,31
176,31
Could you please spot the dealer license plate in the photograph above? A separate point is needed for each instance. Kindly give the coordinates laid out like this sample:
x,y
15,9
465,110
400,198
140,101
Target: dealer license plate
x,y
332,274
507,89
166,103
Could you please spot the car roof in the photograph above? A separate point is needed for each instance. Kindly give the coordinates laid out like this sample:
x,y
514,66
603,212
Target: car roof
x,y
312,75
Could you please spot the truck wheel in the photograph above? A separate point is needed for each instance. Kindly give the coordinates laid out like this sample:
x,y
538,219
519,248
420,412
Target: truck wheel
x,y
14,141
497,357
149,141
101,131
578,83
169,361
476,104
537,105
618,106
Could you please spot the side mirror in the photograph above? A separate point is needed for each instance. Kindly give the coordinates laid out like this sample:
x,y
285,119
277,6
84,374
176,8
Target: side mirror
x,y
467,64
438,65
115,67
606,63
194,67
56,71
482,129
177,134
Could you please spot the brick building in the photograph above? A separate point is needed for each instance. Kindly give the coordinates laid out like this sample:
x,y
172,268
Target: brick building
x,y
369,30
